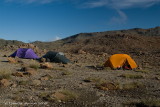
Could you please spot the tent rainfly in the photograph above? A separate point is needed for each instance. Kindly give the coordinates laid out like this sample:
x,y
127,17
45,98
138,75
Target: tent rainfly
x,y
26,53
120,61
57,57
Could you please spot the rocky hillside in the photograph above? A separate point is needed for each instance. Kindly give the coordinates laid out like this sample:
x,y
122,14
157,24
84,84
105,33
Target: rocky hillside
x,y
9,42
142,44
122,41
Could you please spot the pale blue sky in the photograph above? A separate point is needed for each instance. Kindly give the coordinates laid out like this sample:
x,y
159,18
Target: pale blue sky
x,y
47,20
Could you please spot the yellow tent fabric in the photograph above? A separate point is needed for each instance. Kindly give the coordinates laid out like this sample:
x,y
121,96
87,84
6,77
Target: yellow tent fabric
x,y
118,60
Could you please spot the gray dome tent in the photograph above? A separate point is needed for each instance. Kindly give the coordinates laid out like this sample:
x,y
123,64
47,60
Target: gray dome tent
x,y
57,57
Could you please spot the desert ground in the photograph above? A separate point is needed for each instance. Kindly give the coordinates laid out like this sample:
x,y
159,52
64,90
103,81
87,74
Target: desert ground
x,y
82,83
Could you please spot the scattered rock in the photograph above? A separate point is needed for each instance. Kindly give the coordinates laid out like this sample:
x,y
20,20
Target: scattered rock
x,y
12,60
20,61
14,85
157,78
59,96
31,71
44,50
4,55
4,82
31,97
28,71
24,69
43,60
104,54
45,88
44,78
30,46
107,86
63,65
46,65
81,52
48,60
18,74
36,82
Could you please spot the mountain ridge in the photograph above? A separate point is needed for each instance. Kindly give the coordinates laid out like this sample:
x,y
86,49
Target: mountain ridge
x,y
82,40
87,38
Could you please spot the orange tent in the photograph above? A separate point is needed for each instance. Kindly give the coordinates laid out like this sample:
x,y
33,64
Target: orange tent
x,y
119,60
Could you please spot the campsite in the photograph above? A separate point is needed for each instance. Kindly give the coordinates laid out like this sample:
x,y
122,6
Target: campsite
x,y
79,72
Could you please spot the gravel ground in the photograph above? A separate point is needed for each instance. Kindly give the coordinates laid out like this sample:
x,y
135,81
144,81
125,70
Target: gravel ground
x,y
34,91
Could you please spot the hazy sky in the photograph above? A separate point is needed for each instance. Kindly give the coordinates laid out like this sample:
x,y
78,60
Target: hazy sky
x,y
48,20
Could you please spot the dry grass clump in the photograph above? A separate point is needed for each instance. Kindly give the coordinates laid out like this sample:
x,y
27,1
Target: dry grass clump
x,y
60,69
26,71
101,83
157,77
68,95
67,73
5,73
17,98
46,77
94,79
132,76
107,86
142,70
107,68
4,83
44,96
158,73
18,74
131,85
118,86
35,65
60,96
23,82
46,65
145,103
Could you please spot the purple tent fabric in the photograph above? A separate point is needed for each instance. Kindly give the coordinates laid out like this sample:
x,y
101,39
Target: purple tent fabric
x,y
25,53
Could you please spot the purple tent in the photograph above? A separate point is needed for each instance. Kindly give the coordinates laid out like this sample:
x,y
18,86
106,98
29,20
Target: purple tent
x,y
25,53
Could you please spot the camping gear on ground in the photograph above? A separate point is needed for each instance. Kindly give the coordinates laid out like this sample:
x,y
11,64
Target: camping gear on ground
x,y
57,57
118,61
24,53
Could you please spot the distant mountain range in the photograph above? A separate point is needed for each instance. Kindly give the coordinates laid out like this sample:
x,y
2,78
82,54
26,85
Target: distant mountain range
x,y
94,42
136,31
115,41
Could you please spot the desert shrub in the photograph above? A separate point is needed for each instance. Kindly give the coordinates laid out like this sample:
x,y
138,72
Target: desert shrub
x,y
43,94
61,95
145,103
66,73
107,86
118,86
108,68
142,70
131,85
60,69
17,98
5,73
23,82
69,95
34,65
46,77
46,65
94,79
